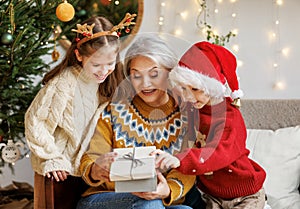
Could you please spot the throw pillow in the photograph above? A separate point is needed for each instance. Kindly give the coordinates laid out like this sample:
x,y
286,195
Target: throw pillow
x,y
278,152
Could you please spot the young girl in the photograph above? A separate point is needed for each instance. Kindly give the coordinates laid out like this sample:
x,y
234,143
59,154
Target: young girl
x,y
148,116
225,174
59,121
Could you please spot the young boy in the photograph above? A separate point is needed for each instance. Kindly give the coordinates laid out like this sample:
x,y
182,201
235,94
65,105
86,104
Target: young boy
x,y
225,175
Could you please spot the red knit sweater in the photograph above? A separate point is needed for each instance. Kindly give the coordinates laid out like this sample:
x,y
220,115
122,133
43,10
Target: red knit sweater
x,y
225,155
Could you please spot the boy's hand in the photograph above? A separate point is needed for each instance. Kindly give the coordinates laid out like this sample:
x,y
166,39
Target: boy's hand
x,y
165,161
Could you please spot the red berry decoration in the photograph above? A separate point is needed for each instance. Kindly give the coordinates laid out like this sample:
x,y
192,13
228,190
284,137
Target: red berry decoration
x,y
77,39
119,33
127,30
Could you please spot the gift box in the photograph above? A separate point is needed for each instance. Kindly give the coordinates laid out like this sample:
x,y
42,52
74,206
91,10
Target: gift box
x,y
134,170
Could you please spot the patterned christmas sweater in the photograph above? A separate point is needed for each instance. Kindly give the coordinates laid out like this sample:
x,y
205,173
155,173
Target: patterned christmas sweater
x,y
135,123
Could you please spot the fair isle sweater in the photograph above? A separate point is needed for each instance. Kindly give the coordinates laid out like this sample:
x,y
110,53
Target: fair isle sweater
x,y
222,166
135,123
61,120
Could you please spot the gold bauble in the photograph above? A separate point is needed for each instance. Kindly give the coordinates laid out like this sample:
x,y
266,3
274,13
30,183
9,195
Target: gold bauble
x,y
65,11
55,55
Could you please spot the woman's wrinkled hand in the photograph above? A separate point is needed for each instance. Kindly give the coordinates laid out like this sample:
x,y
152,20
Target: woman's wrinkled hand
x,y
162,190
101,168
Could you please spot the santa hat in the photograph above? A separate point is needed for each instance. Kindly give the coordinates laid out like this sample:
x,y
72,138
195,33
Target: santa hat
x,y
213,61
182,75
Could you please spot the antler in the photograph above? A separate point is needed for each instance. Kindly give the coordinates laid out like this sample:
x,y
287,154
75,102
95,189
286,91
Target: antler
x,y
127,21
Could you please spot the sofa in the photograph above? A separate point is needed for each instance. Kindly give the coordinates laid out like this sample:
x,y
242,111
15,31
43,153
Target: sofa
x,y
273,128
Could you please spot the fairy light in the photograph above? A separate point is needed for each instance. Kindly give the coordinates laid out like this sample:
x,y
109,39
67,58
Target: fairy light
x,y
279,2
184,14
235,47
235,31
161,18
161,21
279,85
178,32
215,31
239,63
285,51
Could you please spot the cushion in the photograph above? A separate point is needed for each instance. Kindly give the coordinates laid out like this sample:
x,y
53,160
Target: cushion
x,y
278,152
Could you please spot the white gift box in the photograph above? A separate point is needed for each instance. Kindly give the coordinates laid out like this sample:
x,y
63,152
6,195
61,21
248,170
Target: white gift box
x,y
134,170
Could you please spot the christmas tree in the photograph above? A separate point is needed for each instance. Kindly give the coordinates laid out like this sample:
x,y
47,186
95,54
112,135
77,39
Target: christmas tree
x,y
27,29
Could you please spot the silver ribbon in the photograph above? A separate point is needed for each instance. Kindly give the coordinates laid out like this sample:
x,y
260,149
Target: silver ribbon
x,y
135,162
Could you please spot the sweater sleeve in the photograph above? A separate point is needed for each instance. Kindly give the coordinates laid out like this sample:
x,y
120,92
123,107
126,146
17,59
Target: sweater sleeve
x,y
100,143
42,119
225,143
179,185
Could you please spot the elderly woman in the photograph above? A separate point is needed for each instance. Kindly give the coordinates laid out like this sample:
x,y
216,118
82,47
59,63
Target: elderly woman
x,y
158,122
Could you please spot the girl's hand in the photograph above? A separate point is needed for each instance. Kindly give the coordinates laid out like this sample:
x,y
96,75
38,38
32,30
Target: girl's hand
x,y
162,190
58,175
101,168
165,161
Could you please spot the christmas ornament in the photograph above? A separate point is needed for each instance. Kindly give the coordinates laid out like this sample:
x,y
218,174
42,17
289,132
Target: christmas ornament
x,y
65,11
81,13
6,38
55,54
105,2
11,152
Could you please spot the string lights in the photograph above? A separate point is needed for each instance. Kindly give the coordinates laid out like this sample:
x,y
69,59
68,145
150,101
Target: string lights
x,y
212,33
161,19
209,22
278,51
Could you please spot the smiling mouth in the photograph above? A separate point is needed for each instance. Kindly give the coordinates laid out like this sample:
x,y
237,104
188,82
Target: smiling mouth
x,y
100,77
148,92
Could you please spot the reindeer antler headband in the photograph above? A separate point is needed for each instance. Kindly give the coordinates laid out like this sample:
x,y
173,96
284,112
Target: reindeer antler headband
x,y
87,30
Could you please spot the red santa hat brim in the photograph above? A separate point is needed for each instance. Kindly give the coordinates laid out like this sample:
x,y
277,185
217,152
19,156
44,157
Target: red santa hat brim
x,y
181,75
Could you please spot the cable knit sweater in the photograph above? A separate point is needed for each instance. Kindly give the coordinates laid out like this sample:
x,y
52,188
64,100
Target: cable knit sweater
x,y
134,123
61,120
222,166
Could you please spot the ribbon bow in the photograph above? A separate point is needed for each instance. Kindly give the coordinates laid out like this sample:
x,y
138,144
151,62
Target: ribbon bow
x,y
135,162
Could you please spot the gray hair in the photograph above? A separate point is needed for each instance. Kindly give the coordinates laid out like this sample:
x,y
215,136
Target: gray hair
x,y
152,47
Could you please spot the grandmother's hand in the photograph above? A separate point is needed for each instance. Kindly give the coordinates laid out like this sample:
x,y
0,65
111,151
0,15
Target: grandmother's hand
x,y
101,167
162,190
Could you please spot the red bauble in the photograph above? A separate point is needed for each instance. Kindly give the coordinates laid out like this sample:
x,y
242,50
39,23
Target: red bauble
x,y
105,2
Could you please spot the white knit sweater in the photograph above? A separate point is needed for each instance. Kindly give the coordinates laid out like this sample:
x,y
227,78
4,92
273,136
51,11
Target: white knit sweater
x,y
61,120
